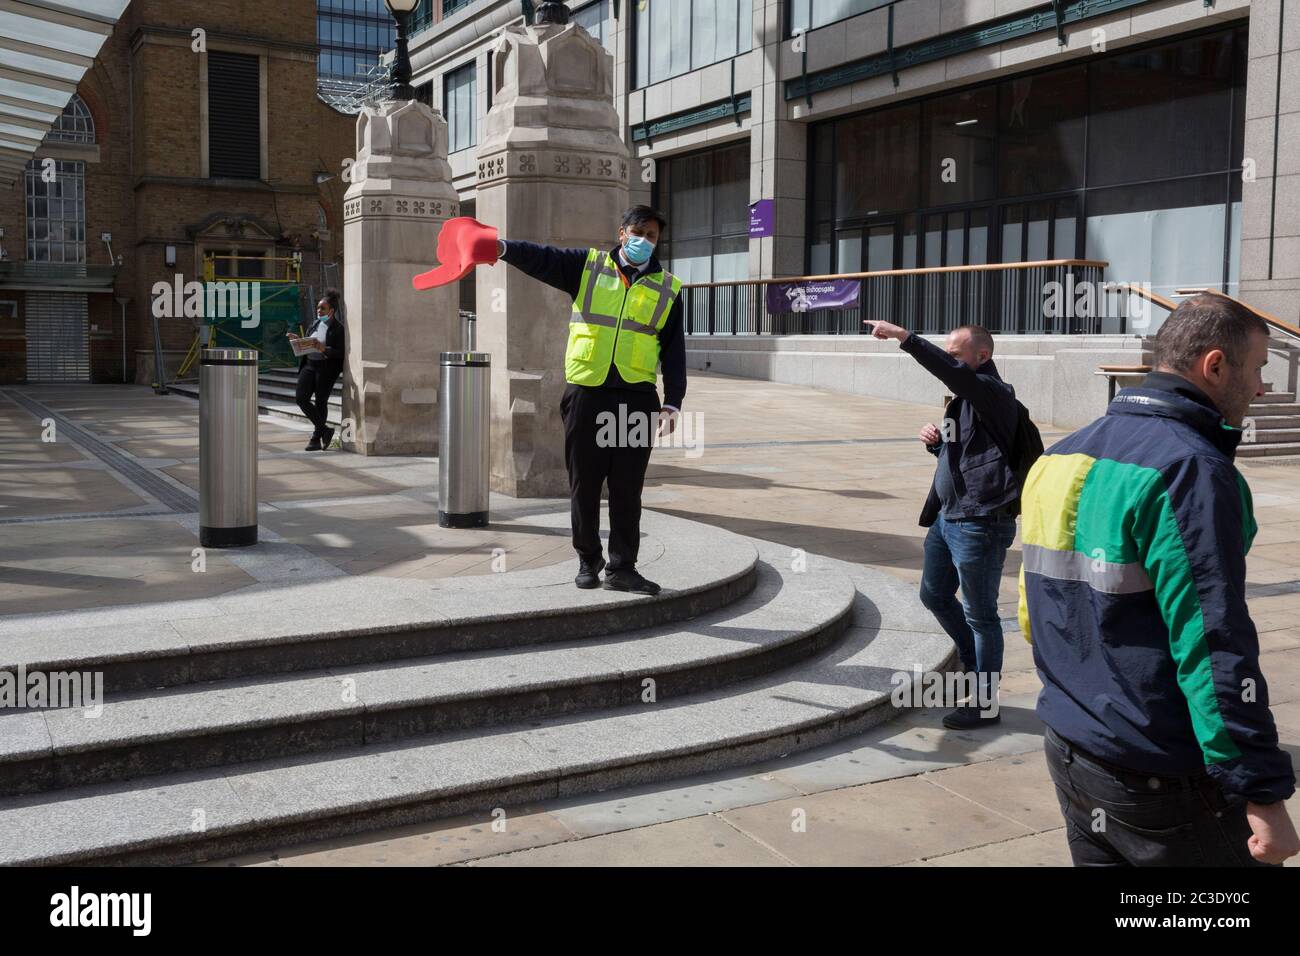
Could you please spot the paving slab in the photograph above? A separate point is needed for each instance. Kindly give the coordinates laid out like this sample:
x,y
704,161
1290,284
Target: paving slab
x,y
873,825
697,841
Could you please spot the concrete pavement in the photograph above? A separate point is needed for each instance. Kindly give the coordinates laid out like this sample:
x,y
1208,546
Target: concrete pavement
x,y
830,474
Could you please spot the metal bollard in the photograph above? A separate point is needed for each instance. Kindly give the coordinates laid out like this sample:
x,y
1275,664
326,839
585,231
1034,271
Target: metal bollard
x,y
227,448
463,451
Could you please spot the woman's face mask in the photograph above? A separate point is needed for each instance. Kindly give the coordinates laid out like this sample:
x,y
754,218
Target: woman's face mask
x,y
324,316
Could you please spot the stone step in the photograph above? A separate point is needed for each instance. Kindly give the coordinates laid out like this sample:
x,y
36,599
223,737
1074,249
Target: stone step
x,y
1271,421
342,621
1265,435
277,407
288,378
196,815
1275,398
786,618
1265,450
1274,409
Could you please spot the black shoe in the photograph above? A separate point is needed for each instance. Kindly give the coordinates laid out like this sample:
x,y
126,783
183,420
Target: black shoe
x,y
629,579
314,444
967,717
326,437
589,573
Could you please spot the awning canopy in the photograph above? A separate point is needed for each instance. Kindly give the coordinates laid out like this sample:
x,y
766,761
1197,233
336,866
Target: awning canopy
x,y
46,47
25,276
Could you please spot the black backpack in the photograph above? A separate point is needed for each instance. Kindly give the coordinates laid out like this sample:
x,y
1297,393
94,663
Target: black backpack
x,y
1026,445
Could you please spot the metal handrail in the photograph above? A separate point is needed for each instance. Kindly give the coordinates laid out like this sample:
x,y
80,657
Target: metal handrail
x,y
933,270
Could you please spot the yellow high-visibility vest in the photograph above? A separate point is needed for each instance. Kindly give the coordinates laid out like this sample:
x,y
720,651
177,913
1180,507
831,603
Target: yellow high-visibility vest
x,y
613,321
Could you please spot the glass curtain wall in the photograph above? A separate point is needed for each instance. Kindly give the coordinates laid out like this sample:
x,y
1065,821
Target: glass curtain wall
x,y
352,35
705,196
459,105
676,36
1132,157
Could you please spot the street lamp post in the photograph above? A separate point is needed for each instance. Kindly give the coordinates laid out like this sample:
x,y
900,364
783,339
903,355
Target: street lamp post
x,y
401,11
552,11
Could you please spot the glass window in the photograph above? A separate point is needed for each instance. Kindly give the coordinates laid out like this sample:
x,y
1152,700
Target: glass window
x,y
1177,96
705,196
810,14
74,124
1169,234
1066,224
459,105
959,136
1040,132
1032,143
848,251
884,142
977,238
956,251
819,256
677,36
907,241
56,212
594,18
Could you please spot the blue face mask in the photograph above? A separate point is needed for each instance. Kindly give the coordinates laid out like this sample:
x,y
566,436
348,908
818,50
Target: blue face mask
x,y
638,249
323,318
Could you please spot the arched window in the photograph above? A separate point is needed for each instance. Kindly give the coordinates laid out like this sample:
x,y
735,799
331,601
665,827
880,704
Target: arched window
x,y
76,125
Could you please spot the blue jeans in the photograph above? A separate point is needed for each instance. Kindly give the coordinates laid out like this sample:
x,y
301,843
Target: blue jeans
x,y
969,554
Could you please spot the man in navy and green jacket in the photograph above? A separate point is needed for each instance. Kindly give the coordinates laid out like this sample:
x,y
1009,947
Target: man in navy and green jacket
x,y
1133,594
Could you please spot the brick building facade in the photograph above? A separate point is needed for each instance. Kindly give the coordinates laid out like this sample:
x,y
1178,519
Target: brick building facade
x,y
181,160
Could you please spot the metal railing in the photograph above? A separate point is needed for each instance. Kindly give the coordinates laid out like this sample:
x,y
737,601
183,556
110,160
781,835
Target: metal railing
x,y
1004,298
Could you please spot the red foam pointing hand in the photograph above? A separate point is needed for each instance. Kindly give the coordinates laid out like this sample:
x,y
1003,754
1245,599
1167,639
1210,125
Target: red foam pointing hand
x,y
463,243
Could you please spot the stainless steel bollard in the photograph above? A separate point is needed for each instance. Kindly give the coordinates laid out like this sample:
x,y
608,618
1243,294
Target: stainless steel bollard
x,y
227,448
464,455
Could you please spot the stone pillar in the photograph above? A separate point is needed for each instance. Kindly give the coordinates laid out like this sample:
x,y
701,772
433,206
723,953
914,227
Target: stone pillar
x,y
552,168
401,194
1270,220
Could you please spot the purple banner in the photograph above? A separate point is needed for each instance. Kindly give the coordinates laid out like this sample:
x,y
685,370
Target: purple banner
x,y
817,294
760,218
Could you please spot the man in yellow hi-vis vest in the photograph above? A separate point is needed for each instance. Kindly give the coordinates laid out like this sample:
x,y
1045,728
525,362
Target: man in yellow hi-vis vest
x,y
626,322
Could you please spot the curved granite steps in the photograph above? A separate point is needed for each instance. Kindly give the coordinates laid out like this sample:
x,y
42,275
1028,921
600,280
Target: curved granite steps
x,y
786,618
217,812
349,621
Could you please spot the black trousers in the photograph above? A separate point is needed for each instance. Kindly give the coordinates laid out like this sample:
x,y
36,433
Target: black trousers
x,y
316,380
604,443
1117,817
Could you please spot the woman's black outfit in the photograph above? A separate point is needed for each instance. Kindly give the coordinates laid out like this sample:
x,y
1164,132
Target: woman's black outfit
x,y
317,373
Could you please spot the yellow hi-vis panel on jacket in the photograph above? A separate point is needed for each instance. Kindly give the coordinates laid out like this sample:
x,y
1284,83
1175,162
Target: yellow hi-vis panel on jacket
x,y
618,323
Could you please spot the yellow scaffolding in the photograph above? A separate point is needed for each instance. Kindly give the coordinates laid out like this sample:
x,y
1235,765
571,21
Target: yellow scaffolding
x,y
289,267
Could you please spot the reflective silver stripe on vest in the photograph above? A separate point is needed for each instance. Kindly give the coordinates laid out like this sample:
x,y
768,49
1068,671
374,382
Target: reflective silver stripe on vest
x,y
592,318
601,268
666,299
1100,575
630,325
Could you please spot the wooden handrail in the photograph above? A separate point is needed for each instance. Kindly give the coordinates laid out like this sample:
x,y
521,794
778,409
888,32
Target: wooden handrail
x,y
1147,294
1273,321
988,267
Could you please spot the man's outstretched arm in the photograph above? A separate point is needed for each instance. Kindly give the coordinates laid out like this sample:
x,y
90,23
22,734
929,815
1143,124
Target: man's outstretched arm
x,y
559,268
960,378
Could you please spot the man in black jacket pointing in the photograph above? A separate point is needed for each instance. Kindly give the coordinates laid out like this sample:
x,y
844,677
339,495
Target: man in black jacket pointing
x,y
972,505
